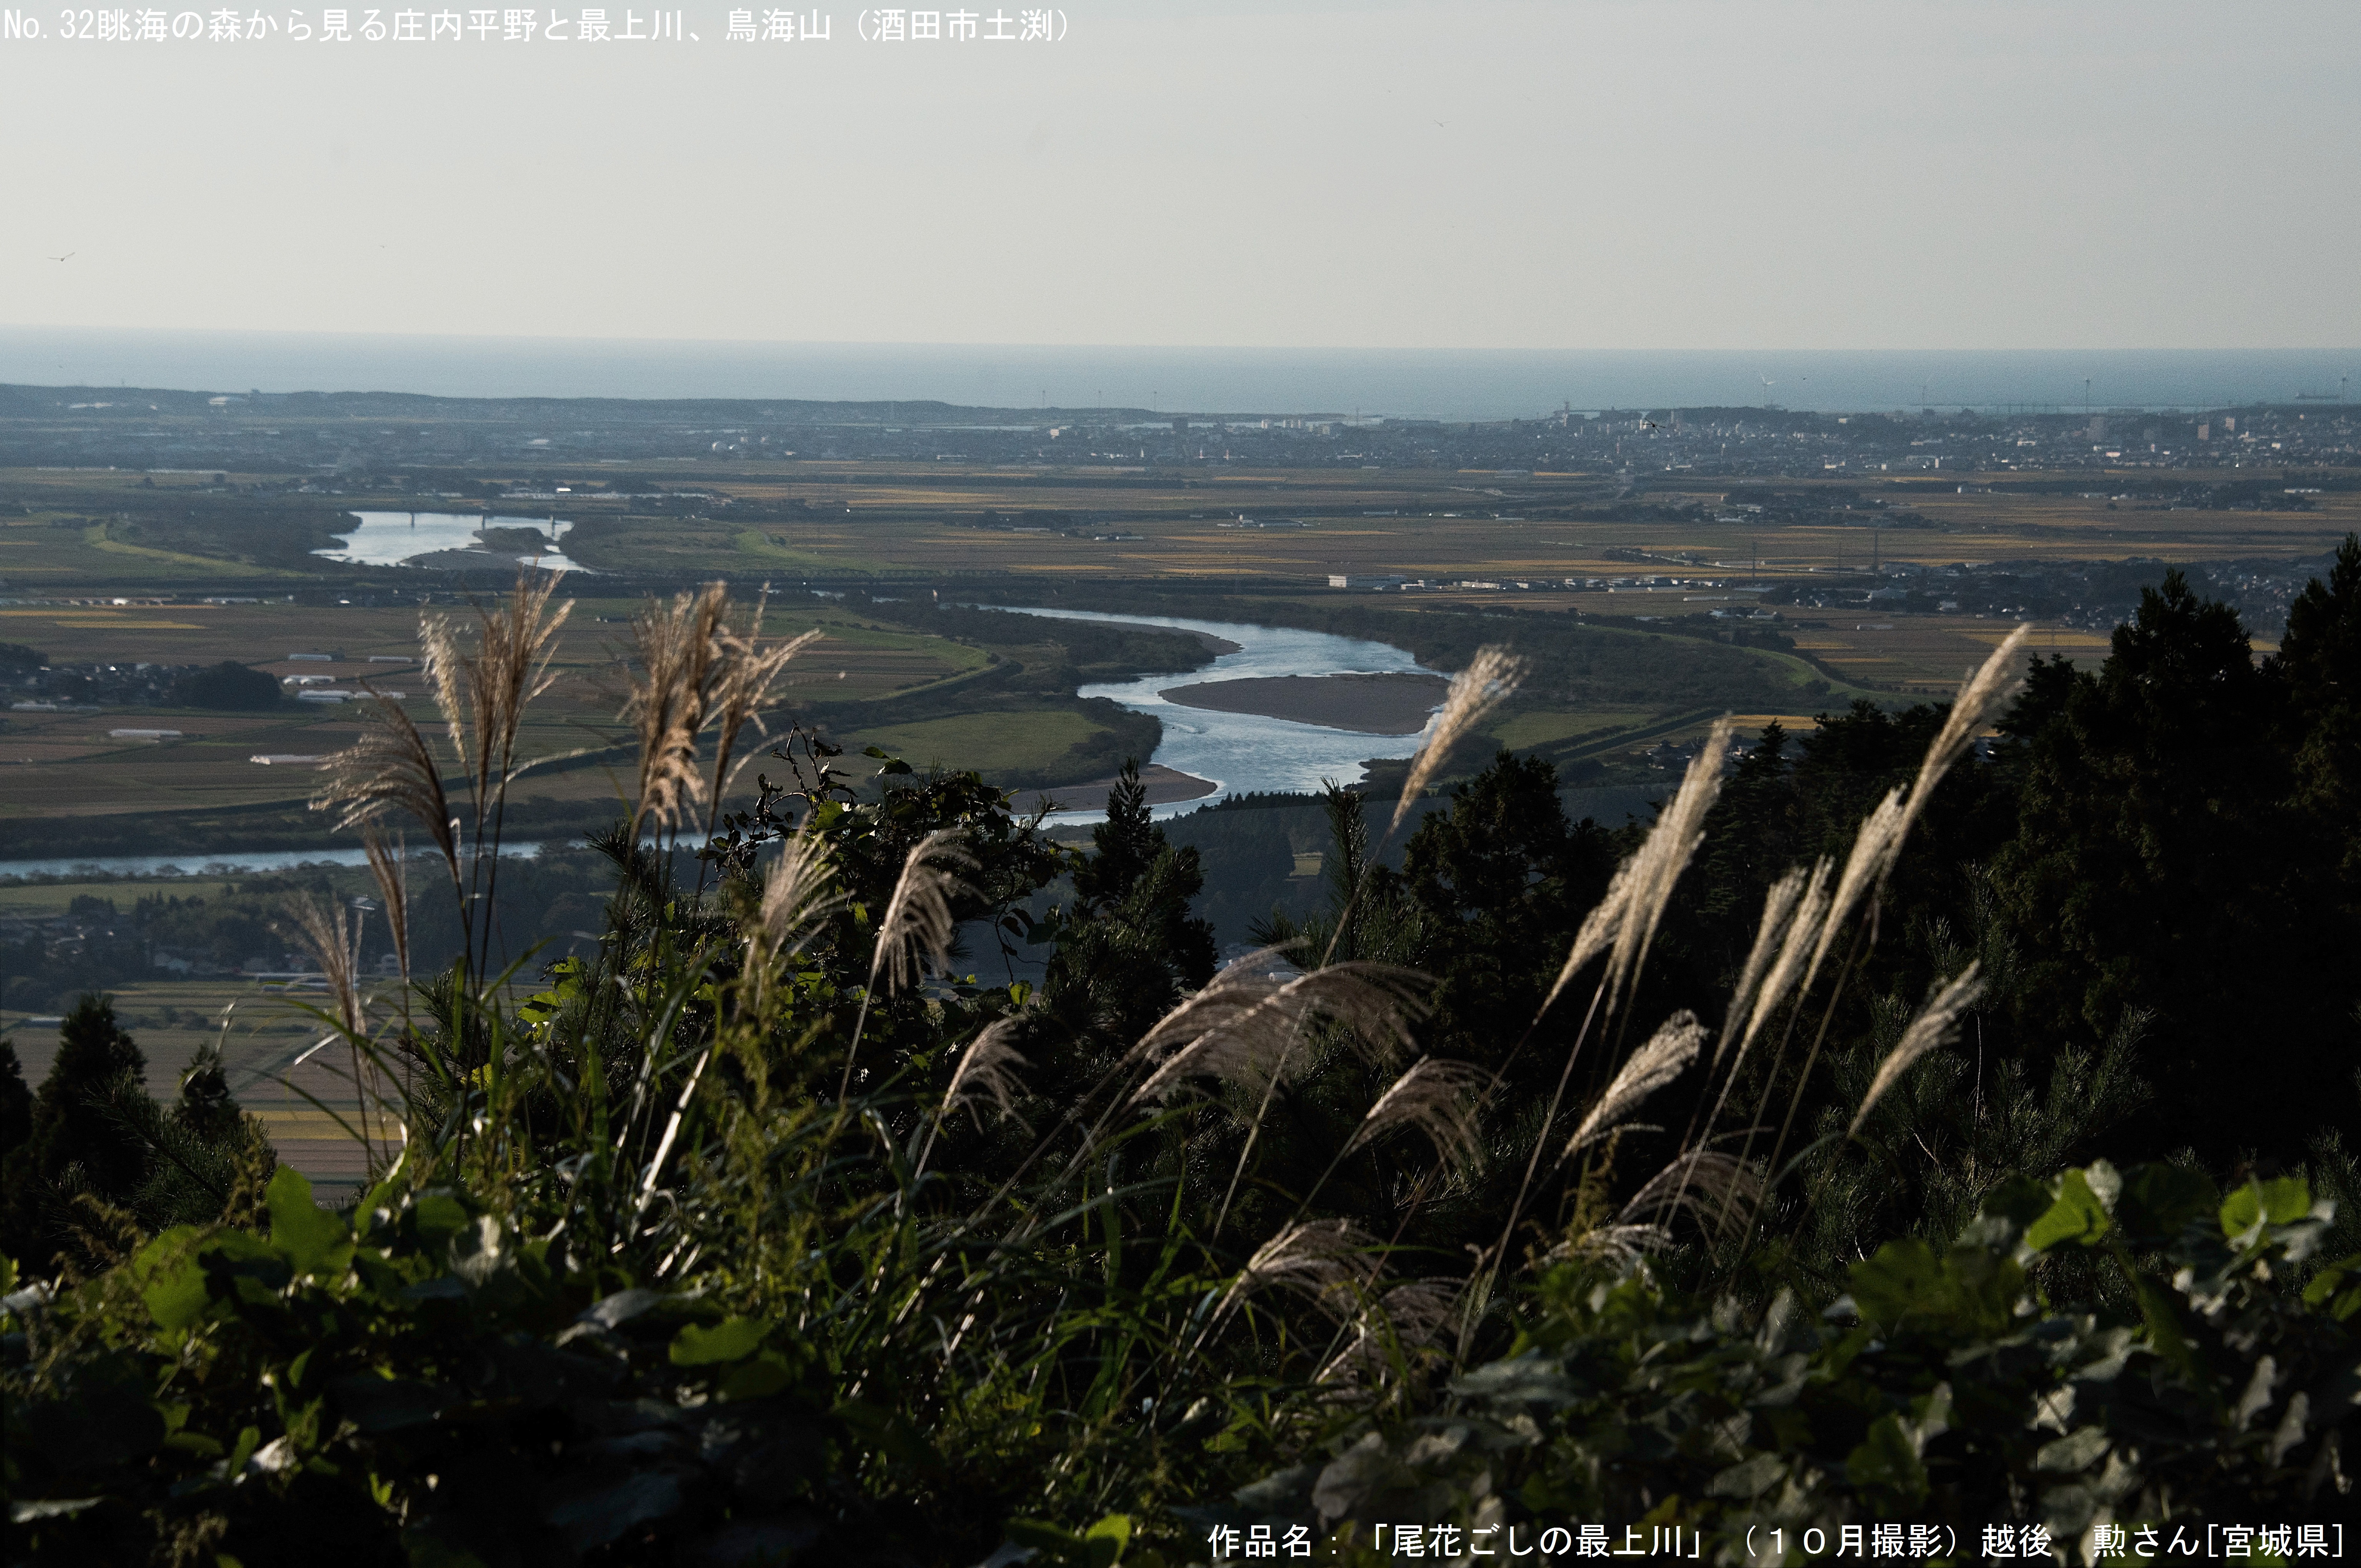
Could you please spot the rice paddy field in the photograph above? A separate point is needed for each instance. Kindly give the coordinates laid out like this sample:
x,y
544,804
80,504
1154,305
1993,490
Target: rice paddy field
x,y
84,580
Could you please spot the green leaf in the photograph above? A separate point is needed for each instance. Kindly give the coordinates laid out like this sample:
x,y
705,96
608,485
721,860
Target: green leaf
x,y
1887,1462
733,1339
759,1378
1905,1277
2281,1202
2075,1452
2158,1202
171,1280
1748,1478
2077,1216
311,1239
1107,1539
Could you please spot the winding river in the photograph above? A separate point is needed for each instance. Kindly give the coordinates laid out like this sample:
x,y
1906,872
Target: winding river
x,y
1245,753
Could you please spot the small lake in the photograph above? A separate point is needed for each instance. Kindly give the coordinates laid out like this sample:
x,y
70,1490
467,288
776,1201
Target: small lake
x,y
1245,753
390,538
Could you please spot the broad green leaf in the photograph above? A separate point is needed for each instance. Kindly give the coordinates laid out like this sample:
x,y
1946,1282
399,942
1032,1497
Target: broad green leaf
x,y
1887,1462
733,1339
309,1238
2158,1202
1904,1278
171,1280
2077,1216
1107,1539
1748,1478
759,1378
2281,1202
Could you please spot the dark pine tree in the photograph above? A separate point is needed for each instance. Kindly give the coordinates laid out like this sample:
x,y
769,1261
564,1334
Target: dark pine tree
x,y
72,1144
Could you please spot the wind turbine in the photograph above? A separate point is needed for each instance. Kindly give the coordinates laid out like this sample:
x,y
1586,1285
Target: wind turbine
x,y
1767,384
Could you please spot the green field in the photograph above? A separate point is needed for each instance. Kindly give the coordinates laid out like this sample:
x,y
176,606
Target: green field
x,y
991,743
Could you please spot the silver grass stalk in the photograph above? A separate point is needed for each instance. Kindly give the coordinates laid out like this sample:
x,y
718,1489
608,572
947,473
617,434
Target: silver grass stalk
x,y
331,936
386,865
987,1070
916,927
678,650
1620,1244
1624,924
1438,1098
798,895
1980,696
1778,909
750,674
1252,1045
1876,844
1802,939
1487,682
1329,1260
391,768
1410,1316
444,671
1702,1181
1667,1055
1934,1026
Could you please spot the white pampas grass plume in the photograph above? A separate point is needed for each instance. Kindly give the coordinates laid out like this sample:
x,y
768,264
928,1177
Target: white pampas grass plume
x,y
679,650
1625,922
916,927
1242,1031
1667,1053
1770,934
1331,1261
1701,1181
1409,1317
798,896
330,934
1487,682
1438,1098
1980,697
1932,1027
1621,1246
391,768
987,1070
385,861
1878,845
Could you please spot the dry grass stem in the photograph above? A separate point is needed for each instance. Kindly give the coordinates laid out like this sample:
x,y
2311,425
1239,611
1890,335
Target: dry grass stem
x,y
1796,946
1488,681
679,650
330,934
1409,1317
798,896
1980,696
1620,1244
1624,924
1329,1260
750,674
1244,1032
987,1070
1667,1055
391,768
916,929
1438,1098
386,865
1932,1027
1769,932
1702,1182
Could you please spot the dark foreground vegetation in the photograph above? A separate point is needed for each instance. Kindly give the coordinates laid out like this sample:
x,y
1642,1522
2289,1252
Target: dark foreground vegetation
x,y
1910,1131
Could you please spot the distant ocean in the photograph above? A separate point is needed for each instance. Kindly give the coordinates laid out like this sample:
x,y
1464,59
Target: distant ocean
x,y
1444,384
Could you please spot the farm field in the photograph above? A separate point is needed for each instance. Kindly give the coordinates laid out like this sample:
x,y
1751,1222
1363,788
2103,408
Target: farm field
x,y
68,763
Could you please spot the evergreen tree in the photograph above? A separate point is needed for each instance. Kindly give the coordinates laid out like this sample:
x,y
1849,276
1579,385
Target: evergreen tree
x,y
76,1142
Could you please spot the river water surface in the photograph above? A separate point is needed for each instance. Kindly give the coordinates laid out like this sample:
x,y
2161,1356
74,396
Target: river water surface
x,y
1246,753
390,538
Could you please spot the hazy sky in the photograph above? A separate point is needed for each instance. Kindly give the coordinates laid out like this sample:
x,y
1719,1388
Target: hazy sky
x,y
1583,173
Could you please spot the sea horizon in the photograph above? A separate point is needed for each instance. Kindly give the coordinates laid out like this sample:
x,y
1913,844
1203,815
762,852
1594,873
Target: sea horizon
x,y
1400,383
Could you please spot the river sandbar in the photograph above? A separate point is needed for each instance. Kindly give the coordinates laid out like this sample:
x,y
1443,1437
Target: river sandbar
x,y
1369,705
